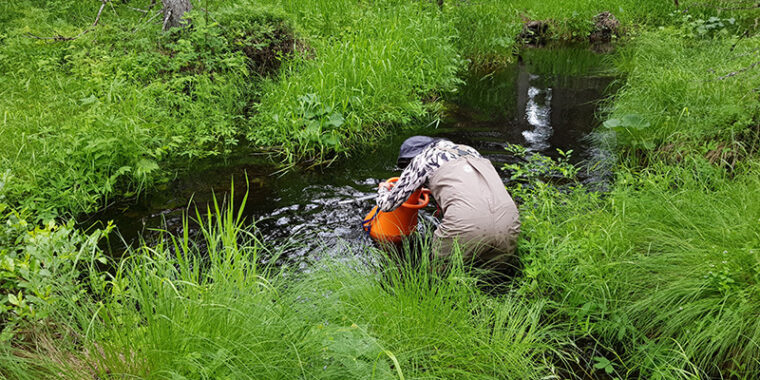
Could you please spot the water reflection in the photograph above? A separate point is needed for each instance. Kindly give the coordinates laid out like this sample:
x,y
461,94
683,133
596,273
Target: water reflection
x,y
538,115
531,103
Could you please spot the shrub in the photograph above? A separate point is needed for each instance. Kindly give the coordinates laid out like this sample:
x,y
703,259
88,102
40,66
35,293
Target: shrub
x,y
41,268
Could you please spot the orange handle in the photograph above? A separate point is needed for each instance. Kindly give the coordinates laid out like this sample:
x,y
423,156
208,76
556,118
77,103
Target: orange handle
x,y
423,201
392,180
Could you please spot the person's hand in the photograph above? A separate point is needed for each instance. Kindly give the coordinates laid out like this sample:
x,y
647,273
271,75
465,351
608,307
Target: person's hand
x,y
386,185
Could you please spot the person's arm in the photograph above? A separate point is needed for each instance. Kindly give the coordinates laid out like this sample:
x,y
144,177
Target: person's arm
x,y
410,180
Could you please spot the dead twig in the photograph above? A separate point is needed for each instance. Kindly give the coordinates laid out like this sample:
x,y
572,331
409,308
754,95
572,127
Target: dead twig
x,y
737,72
59,37
100,11
56,38
166,19
751,52
137,9
146,21
146,11
744,35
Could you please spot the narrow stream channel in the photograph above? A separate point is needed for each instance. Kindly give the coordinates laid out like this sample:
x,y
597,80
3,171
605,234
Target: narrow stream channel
x,y
545,101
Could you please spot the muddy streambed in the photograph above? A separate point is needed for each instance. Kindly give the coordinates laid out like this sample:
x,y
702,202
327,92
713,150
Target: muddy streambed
x,y
545,101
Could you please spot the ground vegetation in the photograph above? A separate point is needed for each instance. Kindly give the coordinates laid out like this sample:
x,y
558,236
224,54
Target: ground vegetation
x,y
656,278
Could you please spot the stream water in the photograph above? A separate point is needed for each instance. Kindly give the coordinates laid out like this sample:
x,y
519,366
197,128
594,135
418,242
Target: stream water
x,y
545,101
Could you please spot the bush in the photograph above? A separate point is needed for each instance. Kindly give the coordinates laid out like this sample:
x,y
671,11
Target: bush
x,y
41,268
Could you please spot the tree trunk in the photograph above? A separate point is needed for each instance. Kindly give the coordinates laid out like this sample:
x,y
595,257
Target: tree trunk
x,y
174,10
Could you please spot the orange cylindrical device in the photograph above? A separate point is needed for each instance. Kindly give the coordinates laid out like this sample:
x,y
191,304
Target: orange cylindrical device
x,y
394,226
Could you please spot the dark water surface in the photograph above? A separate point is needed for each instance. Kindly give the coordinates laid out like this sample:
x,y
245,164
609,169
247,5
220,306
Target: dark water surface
x,y
547,100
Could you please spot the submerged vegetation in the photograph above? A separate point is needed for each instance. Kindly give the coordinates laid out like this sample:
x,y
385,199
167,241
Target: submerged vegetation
x,y
657,278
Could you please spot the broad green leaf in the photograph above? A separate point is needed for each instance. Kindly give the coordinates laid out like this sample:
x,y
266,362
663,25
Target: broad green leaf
x,y
335,120
612,123
145,166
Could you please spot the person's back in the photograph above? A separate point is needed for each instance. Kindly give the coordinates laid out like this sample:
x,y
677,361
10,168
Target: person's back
x,y
478,213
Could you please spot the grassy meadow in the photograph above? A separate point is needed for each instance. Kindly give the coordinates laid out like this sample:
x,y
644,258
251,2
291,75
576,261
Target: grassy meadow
x,y
657,278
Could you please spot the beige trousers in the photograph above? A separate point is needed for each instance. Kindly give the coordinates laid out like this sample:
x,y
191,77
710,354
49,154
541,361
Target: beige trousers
x,y
479,216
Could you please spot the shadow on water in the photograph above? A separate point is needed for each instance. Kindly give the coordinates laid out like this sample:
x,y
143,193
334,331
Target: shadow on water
x,y
545,101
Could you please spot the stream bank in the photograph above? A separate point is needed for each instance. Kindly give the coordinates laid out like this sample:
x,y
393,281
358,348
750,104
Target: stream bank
x,y
545,101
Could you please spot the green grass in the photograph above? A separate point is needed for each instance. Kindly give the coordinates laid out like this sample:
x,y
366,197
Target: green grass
x,y
206,308
663,270
665,266
678,87
489,29
122,106
378,70
125,106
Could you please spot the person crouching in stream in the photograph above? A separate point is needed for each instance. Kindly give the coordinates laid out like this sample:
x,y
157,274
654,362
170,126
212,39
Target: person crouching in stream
x,y
479,215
